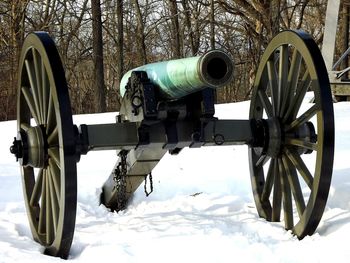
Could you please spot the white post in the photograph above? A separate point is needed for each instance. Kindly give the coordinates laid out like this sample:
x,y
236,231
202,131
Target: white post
x,y
330,32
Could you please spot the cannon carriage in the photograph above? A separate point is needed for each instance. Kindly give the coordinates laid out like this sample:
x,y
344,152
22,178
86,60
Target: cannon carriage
x,y
168,106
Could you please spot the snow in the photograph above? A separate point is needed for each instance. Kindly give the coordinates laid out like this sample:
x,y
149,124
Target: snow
x,y
202,208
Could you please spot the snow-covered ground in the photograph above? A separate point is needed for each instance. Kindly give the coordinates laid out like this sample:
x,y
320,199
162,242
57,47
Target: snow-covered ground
x,y
202,208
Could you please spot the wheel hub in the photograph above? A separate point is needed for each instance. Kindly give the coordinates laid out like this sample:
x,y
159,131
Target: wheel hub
x,y
306,133
30,148
276,137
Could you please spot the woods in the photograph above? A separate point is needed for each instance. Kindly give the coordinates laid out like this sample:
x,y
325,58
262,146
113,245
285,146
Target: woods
x,y
99,40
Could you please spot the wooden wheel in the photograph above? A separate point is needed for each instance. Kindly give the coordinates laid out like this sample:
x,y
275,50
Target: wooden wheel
x,y
291,170
45,145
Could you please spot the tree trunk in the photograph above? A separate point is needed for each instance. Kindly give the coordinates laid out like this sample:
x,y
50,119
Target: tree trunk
x,y
140,34
18,12
345,46
120,42
274,18
175,31
212,25
189,26
99,87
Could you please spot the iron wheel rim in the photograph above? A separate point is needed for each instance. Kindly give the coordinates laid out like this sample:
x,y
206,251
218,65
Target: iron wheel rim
x,y
288,164
50,190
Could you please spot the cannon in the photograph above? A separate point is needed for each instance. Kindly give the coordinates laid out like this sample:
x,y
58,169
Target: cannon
x,y
167,106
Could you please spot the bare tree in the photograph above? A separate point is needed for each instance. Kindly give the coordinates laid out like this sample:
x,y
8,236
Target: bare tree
x,y
187,18
140,35
12,18
119,48
212,24
99,88
175,32
136,32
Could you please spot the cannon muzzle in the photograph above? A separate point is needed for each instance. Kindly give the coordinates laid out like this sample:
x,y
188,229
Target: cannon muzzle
x,y
178,78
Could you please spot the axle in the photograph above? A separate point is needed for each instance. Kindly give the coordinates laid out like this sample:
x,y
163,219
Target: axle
x,y
165,135
31,147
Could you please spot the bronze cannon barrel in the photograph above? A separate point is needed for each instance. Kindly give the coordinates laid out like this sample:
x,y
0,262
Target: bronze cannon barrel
x,y
180,77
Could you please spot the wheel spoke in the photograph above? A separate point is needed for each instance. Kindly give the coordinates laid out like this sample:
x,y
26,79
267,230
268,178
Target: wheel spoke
x,y
49,222
295,185
34,199
306,116
54,154
33,87
38,77
55,174
31,104
295,158
45,91
42,214
266,103
282,76
25,126
263,159
293,77
273,85
54,203
277,194
300,143
268,182
287,197
298,98
53,137
51,119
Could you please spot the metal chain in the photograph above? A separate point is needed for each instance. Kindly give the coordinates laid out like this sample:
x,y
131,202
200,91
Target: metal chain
x,y
151,185
120,181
